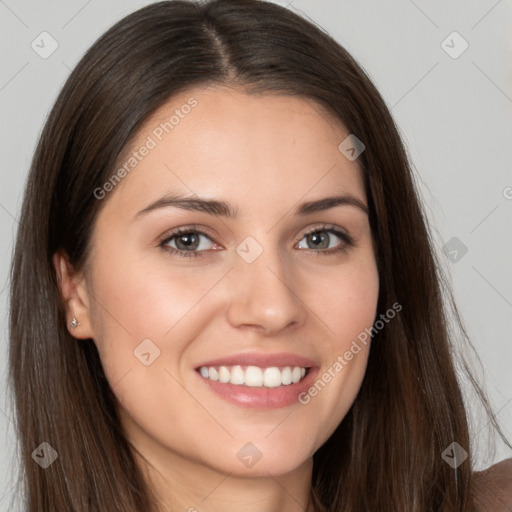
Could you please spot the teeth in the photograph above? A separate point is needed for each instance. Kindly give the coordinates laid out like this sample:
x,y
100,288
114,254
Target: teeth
x,y
287,376
253,376
237,375
272,377
224,374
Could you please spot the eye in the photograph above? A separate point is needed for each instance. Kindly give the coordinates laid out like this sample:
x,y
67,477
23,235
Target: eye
x,y
326,240
192,242
187,242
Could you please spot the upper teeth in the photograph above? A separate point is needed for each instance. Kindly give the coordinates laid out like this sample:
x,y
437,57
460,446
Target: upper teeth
x,y
253,375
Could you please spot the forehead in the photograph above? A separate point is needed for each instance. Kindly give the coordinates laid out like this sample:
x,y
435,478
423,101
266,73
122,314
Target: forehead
x,y
221,141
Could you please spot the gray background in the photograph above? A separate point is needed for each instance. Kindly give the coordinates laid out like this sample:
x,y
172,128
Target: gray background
x,y
453,113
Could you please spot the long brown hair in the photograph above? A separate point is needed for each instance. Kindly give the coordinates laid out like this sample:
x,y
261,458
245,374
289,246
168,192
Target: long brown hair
x,y
386,455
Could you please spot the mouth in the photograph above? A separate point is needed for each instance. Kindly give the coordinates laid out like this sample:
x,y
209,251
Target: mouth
x,y
255,376
259,381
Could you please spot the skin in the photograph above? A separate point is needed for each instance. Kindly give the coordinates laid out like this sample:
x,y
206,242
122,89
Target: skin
x,y
265,154
493,488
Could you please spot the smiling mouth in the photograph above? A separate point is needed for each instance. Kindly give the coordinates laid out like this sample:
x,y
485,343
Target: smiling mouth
x,y
254,376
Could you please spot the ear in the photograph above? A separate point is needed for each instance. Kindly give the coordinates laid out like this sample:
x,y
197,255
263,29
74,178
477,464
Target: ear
x,y
74,295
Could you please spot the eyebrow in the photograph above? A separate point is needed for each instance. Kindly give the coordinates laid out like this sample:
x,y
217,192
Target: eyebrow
x,y
224,209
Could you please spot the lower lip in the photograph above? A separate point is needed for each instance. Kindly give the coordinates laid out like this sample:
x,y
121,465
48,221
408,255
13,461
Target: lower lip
x,y
261,397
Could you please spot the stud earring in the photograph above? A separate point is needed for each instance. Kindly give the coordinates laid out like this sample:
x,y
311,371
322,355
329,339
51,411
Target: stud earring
x,y
74,323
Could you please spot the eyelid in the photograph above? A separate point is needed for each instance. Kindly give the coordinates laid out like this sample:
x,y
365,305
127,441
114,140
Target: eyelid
x,y
186,229
324,227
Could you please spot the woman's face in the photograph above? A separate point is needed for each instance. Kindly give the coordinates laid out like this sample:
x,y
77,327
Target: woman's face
x,y
204,335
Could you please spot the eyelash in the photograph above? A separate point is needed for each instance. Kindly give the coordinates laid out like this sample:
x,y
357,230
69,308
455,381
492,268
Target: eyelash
x,y
347,239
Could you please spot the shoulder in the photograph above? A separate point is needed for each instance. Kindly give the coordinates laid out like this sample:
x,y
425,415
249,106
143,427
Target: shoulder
x,y
492,488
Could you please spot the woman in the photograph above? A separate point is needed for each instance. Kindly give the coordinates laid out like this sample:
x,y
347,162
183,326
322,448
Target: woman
x,y
224,294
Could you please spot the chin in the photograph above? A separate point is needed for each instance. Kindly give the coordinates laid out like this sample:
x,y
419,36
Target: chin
x,y
259,459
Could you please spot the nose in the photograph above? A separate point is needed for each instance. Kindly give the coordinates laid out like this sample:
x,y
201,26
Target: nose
x,y
264,295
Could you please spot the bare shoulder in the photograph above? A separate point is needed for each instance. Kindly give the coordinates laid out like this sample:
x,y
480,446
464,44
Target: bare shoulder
x,y
493,487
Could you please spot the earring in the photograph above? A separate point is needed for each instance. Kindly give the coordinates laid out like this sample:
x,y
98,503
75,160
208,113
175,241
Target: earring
x,y
74,323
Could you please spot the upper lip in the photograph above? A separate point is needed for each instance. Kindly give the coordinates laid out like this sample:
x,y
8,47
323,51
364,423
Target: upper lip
x,y
262,360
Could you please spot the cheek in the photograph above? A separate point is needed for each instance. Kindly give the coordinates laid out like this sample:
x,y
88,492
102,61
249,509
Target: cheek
x,y
345,299
140,298
346,308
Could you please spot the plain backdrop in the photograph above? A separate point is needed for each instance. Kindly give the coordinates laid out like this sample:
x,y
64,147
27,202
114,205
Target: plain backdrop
x,y
444,70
